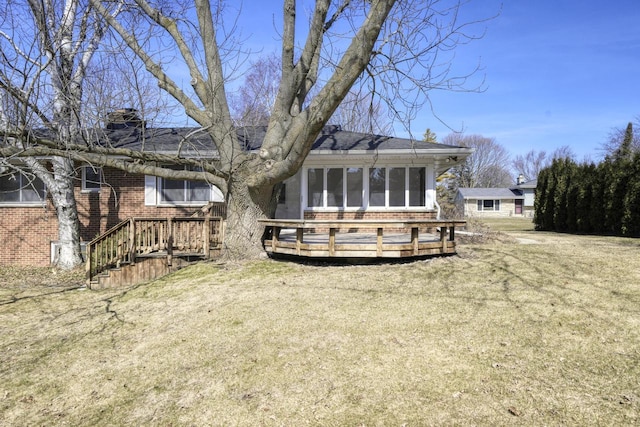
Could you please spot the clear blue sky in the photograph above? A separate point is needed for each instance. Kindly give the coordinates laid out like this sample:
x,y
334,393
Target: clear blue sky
x,y
557,72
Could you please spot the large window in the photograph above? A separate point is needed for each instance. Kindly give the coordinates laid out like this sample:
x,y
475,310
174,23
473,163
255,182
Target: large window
x,y
176,191
315,180
335,187
397,183
417,186
488,205
18,188
377,179
357,187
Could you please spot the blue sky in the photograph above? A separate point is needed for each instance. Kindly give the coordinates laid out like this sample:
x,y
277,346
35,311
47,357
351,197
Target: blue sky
x,y
561,72
557,72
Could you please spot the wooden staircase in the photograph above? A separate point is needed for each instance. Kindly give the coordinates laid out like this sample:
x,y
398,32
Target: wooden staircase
x,y
143,249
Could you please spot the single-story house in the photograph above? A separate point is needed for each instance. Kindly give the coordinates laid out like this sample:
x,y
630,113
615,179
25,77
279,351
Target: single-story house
x,y
347,175
517,200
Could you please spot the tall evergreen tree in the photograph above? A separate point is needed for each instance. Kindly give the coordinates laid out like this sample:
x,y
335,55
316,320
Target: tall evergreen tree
x,y
625,150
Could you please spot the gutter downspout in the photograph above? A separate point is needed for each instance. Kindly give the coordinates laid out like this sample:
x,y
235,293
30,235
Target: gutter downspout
x,y
438,208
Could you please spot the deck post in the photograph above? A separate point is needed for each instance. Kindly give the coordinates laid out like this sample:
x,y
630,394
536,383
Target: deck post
x,y
332,241
415,240
275,235
452,233
443,238
379,242
132,241
206,233
299,239
87,266
169,241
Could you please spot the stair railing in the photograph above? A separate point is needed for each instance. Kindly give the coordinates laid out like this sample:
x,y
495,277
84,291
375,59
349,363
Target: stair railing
x,y
135,237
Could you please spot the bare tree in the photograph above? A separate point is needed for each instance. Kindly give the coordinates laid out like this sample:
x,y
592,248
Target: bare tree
x,y
395,48
534,161
251,105
487,167
46,50
530,164
362,113
562,152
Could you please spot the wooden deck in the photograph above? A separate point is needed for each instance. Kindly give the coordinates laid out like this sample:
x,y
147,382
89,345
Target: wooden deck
x,y
360,238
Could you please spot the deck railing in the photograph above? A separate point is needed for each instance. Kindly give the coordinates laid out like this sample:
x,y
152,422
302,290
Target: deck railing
x,y
361,238
136,237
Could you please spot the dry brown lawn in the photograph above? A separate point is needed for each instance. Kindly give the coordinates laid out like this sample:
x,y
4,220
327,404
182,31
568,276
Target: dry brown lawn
x,y
538,329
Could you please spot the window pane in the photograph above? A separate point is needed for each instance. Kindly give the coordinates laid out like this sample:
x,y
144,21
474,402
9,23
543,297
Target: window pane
x,y
376,186
198,191
488,205
417,188
335,189
172,190
181,191
33,191
92,177
354,187
497,205
10,188
396,186
479,205
315,186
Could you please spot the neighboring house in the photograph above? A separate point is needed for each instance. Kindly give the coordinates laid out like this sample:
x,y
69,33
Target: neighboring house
x,y
496,202
347,175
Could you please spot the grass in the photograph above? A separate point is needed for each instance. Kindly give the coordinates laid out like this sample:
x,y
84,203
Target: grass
x,y
541,329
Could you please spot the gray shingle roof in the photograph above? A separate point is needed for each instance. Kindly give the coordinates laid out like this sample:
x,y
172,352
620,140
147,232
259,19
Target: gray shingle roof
x,y
490,193
198,142
533,183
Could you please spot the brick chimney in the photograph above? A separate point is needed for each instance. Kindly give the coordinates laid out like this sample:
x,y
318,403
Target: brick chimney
x,y
123,118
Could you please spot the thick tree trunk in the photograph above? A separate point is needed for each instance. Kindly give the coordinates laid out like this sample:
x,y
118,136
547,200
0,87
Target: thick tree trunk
x,y
243,233
62,195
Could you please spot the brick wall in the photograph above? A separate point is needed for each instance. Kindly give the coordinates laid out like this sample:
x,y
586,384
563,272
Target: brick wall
x,y
27,232
121,197
372,215
368,215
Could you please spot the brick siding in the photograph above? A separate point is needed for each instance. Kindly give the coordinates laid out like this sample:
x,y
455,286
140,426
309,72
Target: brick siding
x,y
27,231
370,215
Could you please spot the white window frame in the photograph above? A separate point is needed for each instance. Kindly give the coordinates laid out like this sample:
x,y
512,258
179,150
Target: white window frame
x,y
153,194
365,189
22,186
91,188
495,208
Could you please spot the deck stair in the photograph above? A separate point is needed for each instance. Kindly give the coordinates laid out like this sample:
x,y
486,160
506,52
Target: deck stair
x,y
141,249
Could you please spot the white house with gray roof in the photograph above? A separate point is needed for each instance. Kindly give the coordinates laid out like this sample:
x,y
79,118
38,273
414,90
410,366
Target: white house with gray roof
x,y
497,202
347,175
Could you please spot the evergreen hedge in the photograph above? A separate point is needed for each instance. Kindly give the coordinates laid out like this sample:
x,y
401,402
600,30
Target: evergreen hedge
x,y
589,198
